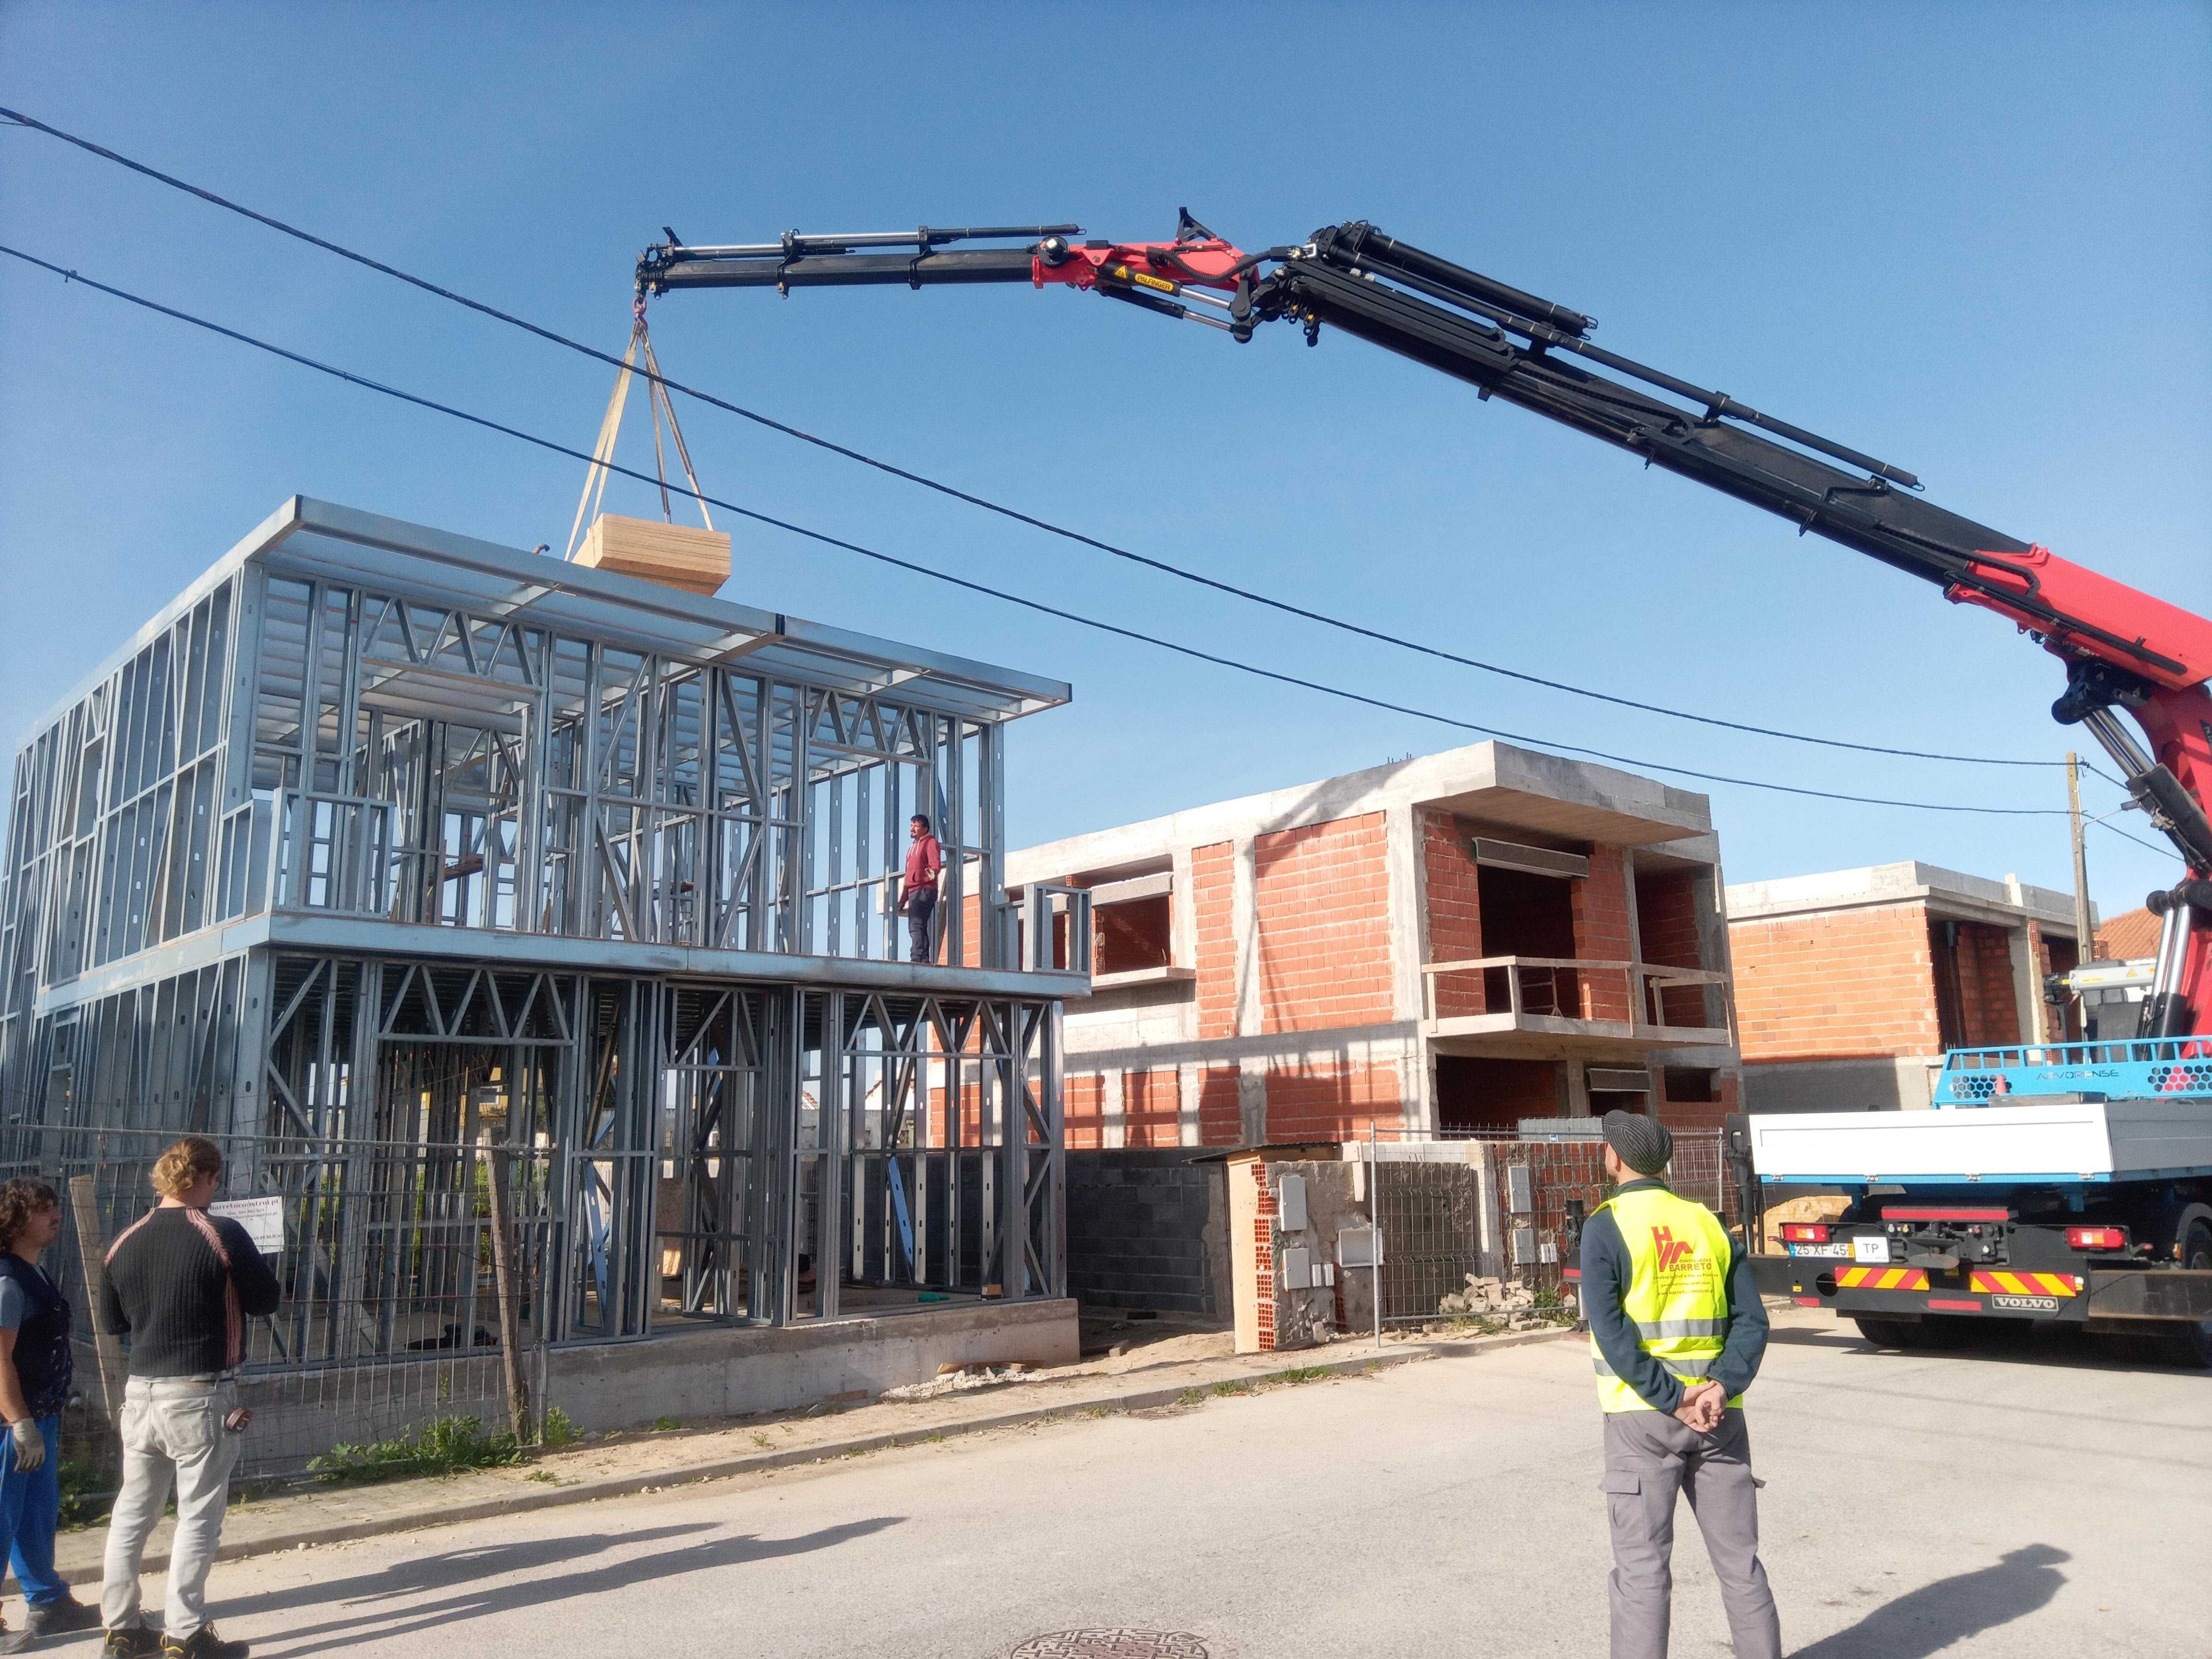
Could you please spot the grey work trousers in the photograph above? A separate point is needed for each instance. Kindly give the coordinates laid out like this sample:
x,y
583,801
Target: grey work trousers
x,y
172,1433
1649,1457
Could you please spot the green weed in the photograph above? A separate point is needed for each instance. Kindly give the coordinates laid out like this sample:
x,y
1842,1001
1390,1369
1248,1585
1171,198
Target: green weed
x,y
445,1445
88,1493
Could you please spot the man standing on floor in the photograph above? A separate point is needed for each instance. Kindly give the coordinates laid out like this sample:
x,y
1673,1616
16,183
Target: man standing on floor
x,y
180,1284
1677,1331
924,860
36,1369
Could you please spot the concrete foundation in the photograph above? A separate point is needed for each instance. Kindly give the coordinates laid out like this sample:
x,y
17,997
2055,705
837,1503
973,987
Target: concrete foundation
x,y
725,1372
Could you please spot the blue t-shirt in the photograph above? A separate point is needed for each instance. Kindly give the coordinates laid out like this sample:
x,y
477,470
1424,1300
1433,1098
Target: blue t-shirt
x,y
16,1302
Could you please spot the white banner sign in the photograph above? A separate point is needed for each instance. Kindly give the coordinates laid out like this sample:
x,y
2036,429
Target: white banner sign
x,y
261,1217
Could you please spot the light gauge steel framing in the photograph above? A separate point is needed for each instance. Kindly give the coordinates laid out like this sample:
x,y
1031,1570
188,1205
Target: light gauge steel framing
x,y
380,836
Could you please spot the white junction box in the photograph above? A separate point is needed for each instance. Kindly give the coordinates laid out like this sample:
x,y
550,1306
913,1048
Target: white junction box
x,y
2098,1140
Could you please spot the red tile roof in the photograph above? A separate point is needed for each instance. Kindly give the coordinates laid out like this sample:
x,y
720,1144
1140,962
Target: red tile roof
x,y
2126,937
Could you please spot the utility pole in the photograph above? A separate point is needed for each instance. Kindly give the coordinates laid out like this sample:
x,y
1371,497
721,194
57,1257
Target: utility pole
x,y
2085,944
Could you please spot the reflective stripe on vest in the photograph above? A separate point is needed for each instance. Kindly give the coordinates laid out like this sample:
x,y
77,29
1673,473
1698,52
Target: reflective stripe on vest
x,y
1677,1294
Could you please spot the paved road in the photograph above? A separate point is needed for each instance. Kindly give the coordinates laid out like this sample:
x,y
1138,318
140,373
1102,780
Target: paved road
x,y
1445,1508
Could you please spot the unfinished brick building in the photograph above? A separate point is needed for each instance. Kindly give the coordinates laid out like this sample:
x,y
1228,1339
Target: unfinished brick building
x,y
1850,985
1445,946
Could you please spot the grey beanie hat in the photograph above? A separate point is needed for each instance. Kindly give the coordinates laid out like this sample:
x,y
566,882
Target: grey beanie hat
x,y
1643,1142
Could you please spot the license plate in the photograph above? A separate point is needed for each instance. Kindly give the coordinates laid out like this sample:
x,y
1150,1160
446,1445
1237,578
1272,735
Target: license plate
x,y
1820,1249
2026,1303
1870,1248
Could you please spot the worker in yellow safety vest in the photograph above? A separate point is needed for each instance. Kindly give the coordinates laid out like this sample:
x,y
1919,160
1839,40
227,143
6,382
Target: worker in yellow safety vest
x,y
1677,1331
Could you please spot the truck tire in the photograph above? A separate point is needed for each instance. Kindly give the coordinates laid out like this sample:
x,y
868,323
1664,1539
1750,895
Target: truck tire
x,y
2191,1346
1908,1333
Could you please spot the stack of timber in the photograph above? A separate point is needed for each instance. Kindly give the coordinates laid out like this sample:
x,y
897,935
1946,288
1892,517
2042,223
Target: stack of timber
x,y
674,555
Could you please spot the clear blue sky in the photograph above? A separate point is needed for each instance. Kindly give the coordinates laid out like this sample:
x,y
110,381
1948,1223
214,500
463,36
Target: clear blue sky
x,y
1976,240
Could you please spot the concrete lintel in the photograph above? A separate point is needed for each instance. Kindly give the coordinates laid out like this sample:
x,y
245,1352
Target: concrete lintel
x,y
1495,782
1401,1039
1948,893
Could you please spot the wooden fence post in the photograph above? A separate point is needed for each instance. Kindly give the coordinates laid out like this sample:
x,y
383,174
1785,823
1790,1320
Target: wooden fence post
x,y
91,1254
510,1320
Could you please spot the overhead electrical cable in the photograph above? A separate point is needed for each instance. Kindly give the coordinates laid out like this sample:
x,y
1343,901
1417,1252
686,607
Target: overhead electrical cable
x,y
1038,605
1250,595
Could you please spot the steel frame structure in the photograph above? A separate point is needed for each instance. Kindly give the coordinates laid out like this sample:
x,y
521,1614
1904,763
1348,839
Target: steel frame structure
x,y
379,837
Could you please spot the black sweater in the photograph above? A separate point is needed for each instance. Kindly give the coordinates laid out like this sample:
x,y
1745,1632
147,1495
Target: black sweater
x,y
1606,1273
165,1289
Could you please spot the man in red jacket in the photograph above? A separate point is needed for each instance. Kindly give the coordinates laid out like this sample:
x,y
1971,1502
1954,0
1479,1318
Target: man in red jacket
x,y
925,859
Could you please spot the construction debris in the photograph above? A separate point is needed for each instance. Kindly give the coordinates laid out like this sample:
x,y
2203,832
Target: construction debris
x,y
958,1379
1487,1296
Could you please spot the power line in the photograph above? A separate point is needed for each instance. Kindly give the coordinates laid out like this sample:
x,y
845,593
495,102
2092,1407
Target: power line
x,y
1047,525
1038,605
2148,847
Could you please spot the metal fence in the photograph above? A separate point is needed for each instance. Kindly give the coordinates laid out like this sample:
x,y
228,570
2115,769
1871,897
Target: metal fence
x,y
1511,1210
392,1262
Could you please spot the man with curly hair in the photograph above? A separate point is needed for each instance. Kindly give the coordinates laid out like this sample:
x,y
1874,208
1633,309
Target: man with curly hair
x,y
35,1372
180,1284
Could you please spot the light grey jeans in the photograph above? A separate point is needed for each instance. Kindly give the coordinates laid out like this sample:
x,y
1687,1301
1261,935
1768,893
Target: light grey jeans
x,y
172,1434
1649,1457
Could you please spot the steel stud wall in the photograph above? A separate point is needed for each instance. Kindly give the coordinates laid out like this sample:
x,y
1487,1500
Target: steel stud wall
x,y
379,837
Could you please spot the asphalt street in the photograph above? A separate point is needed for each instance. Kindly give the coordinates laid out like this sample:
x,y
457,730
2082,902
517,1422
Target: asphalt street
x,y
2022,1502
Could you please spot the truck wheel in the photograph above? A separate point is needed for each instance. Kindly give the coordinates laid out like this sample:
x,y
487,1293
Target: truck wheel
x,y
2192,1347
1908,1333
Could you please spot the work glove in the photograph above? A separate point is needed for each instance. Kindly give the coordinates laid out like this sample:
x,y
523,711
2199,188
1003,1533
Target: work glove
x,y
30,1444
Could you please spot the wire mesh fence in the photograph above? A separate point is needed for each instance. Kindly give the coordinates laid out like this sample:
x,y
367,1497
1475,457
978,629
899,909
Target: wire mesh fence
x,y
391,1258
1511,1211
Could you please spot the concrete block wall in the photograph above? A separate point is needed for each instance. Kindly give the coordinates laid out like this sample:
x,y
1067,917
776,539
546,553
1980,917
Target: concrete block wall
x,y
1148,1227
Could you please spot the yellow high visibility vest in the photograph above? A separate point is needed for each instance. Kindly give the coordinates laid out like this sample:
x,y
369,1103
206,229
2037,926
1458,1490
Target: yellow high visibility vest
x,y
1677,1290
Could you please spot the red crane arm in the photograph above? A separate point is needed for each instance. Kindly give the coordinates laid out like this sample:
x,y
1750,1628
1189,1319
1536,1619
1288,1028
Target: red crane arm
x,y
2122,649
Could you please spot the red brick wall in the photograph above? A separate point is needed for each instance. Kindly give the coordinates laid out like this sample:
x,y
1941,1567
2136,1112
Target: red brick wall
x,y
1212,895
1263,1240
1700,1114
1601,932
1083,1115
1845,983
1666,917
1667,929
1151,1109
1989,1013
1474,1092
1454,909
1220,1116
1322,897
1309,1100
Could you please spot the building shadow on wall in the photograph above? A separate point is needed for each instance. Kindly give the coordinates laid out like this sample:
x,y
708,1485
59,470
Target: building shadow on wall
x,y
1926,1621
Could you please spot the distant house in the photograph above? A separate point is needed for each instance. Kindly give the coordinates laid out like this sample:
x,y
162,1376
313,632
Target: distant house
x,y
2128,937
1849,986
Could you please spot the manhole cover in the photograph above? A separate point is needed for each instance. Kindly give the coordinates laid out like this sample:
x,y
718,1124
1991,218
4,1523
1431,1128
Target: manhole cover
x,y
1112,1645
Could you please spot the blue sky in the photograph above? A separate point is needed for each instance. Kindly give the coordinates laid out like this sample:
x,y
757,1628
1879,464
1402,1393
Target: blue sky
x,y
1974,240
